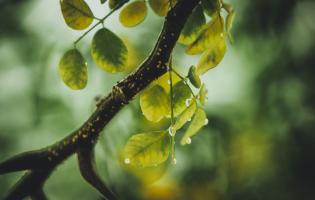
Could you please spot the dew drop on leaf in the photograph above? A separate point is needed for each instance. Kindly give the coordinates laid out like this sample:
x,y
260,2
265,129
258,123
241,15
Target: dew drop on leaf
x,y
206,121
188,140
127,161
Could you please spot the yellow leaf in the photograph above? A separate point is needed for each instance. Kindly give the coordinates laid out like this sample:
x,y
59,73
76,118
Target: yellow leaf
x,y
185,116
108,51
76,13
199,120
154,103
164,82
147,149
211,57
160,7
182,96
208,37
133,14
73,70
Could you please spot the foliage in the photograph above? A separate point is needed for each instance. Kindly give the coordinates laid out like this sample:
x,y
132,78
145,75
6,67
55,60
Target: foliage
x,y
166,97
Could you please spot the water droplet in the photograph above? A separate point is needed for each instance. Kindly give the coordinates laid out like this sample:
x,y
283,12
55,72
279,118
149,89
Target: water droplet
x,y
189,119
188,140
174,161
221,35
169,82
206,121
127,161
171,131
188,101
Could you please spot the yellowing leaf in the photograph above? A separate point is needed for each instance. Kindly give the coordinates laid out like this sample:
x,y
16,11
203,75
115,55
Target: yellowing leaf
x,y
147,149
160,7
199,120
194,77
208,37
154,103
108,51
73,70
203,94
185,116
133,14
211,57
192,27
164,82
76,13
182,95
211,6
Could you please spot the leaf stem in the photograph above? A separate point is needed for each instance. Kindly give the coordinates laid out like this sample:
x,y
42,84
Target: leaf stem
x,y
170,69
100,21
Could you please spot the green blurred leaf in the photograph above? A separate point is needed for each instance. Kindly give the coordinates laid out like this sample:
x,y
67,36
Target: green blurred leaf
x,y
182,94
76,13
147,149
73,69
114,3
203,94
199,120
108,51
211,6
211,57
160,7
133,14
154,103
192,27
185,116
208,37
194,77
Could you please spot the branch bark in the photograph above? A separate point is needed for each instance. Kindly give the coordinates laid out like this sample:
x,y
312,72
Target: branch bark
x,y
41,163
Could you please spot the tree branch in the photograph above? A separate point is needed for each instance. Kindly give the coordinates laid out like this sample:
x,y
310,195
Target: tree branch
x,y
41,163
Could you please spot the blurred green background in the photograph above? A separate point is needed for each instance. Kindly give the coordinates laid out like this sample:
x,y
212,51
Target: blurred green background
x,y
260,140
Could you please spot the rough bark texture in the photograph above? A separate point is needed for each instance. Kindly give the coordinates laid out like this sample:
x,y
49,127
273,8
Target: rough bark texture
x,y
41,163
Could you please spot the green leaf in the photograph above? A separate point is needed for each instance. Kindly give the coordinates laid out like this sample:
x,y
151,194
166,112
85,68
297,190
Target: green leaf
x,y
154,103
211,57
182,95
133,14
185,116
160,7
229,23
192,27
203,94
77,13
73,69
108,51
199,120
194,77
147,149
208,37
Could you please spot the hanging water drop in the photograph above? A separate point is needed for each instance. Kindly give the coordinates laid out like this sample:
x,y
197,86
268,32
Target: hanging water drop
x,y
189,119
127,161
188,140
174,161
206,121
171,131
169,82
